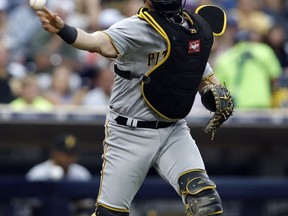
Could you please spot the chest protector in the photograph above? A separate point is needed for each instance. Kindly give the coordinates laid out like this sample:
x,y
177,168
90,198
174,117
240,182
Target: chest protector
x,y
169,88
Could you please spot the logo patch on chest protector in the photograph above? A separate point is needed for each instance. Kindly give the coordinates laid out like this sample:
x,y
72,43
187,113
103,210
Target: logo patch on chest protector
x,y
193,46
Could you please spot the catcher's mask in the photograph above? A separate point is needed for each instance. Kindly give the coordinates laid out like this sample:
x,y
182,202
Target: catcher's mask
x,y
169,8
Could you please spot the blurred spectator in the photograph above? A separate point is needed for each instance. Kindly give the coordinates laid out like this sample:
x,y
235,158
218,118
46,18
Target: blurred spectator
x,y
277,10
225,41
30,96
277,40
3,19
280,95
49,50
19,33
64,83
132,7
250,18
87,14
192,4
62,162
6,93
248,69
112,12
62,165
100,94
226,4
88,74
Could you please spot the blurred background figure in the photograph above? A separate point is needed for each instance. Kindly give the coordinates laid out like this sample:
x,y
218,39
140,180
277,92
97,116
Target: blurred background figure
x,y
250,17
62,86
30,97
6,92
86,14
280,94
100,94
276,38
226,40
49,51
3,19
249,69
19,34
277,9
62,163
112,12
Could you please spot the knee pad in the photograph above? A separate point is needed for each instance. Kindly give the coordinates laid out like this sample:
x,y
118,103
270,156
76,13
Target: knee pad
x,y
102,210
199,194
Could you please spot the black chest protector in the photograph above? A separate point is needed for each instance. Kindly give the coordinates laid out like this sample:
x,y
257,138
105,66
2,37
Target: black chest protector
x,y
169,88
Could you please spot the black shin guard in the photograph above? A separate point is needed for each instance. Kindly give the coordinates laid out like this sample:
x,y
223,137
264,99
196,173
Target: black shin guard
x,y
199,194
104,211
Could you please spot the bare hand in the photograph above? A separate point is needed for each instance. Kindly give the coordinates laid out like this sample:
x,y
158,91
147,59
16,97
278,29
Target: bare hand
x,y
51,22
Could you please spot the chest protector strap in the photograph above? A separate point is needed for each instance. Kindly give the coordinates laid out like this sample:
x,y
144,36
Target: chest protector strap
x,y
169,88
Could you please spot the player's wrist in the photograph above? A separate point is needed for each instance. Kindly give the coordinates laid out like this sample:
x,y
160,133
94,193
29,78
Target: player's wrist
x,y
68,34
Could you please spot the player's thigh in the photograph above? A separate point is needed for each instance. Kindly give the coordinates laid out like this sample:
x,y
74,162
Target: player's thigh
x,y
179,155
128,155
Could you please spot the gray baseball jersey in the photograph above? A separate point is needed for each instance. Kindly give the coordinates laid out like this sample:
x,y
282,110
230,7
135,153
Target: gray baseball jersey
x,y
129,152
140,47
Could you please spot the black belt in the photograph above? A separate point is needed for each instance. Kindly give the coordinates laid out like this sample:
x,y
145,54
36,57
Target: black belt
x,y
121,120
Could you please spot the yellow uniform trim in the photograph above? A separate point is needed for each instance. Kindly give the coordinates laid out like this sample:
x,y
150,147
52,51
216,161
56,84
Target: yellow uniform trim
x,y
188,171
112,42
208,76
104,161
192,170
148,18
113,209
217,213
188,17
200,189
102,173
225,18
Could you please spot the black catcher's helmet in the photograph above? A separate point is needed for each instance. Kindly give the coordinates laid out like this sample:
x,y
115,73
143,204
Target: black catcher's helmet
x,y
169,8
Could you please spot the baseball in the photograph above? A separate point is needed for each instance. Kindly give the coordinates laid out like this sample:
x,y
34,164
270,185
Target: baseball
x,y
37,4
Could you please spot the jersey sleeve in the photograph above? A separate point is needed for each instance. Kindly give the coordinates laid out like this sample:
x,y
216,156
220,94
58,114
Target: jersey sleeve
x,y
208,71
127,35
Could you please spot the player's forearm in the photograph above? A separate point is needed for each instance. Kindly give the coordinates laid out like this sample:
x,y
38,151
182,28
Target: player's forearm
x,y
211,79
92,42
86,41
77,38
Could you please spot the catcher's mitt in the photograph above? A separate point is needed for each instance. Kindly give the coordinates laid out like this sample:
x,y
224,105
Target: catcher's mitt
x,y
217,99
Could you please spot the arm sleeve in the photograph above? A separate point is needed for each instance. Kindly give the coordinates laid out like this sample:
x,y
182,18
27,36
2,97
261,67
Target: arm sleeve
x,y
127,35
208,71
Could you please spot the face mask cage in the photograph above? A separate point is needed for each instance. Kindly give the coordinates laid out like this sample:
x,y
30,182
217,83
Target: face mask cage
x,y
169,8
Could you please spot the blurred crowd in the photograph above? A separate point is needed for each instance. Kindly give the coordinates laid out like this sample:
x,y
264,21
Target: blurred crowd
x,y
39,70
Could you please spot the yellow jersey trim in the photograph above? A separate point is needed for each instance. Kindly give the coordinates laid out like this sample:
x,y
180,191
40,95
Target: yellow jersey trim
x,y
112,42
148,18
113,209
225,19
104,161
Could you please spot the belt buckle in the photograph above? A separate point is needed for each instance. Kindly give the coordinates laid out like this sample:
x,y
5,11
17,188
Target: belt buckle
x,y
131,122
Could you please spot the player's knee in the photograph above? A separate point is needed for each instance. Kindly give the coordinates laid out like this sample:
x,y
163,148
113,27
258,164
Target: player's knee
x,y
105,211
199,194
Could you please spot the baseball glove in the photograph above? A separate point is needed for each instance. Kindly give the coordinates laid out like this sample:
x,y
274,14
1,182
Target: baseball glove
x,y
217,99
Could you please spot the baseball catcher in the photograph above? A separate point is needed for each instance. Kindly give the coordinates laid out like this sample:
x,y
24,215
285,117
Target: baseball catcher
x,y
161,62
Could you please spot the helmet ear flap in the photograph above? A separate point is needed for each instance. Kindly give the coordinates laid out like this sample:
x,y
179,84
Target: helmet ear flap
x,y
215,16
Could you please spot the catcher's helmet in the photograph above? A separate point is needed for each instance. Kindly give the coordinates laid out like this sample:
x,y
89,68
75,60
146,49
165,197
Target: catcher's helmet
x,y
169,8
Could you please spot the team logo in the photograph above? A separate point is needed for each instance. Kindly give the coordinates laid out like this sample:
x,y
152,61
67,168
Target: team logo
x,y
193,46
